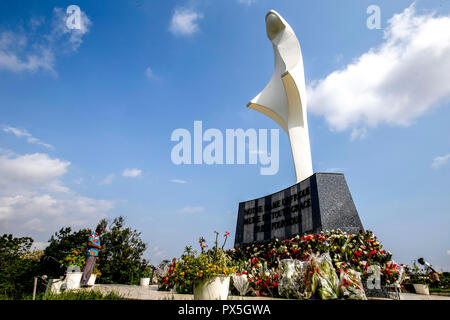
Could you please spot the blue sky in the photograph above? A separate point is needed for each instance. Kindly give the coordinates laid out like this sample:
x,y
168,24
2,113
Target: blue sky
x,y
79,108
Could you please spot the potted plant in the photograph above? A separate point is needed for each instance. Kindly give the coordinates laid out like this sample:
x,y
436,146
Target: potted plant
x,y
206,274
94,275
145,276
419,279
74,263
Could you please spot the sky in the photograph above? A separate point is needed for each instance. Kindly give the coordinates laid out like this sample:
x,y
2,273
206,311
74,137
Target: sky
x,y
87,114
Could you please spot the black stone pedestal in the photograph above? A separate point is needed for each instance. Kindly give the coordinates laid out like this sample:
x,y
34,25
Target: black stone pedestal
x,y
319,203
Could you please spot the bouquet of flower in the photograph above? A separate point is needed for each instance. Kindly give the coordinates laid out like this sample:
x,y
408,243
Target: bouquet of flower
x,y
264,283
321,278
74,259
391,273
292,273
328,281
351,286
167,276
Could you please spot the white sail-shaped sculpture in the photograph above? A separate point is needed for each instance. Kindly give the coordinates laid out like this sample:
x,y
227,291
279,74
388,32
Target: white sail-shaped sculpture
x,y
284,98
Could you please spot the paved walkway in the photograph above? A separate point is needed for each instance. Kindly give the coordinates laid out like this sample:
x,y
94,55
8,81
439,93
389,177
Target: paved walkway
x,y
413,296
152,293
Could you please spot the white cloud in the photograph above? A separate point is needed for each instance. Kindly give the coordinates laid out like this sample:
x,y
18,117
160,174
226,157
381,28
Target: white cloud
x,y
440,161
6,152
36,22
358,134
395,83
178,181
107,180
34,201
14,56
448,252
149,73
24,133
189,209
43,213
157,252
37,171
29,51
131,173
332,170
247,2
185,21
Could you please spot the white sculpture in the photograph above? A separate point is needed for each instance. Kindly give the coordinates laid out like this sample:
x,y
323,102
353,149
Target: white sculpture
x,y
284,98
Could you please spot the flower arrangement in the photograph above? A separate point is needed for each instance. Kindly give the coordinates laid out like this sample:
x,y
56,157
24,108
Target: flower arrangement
x,y
192,267
391,273
417,275
346,251
329,265
96,271
74,259
147,272
264,283
348,254
167,280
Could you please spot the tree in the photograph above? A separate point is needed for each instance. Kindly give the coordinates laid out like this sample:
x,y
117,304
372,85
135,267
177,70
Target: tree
x,y
62,243
120,261
121,258
18,266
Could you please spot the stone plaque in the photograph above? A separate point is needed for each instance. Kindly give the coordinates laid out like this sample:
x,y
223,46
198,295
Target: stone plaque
x,y
318,203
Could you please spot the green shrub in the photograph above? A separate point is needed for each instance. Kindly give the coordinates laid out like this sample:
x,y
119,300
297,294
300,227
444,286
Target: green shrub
x,y
18,267
81,295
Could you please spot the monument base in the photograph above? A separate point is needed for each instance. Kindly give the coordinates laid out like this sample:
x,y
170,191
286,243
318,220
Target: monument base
x,y
319,203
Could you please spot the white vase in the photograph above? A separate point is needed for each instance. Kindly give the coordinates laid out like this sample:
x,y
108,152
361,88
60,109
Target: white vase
x,y
92,279
54,286
241,283
73,280
145,282
212,289
421,289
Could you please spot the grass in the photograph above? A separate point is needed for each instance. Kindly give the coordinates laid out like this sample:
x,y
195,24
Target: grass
x,y
81,295
440,290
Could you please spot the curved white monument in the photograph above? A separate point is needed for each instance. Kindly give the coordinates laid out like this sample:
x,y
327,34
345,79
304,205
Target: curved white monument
x,y
284,98
317,202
